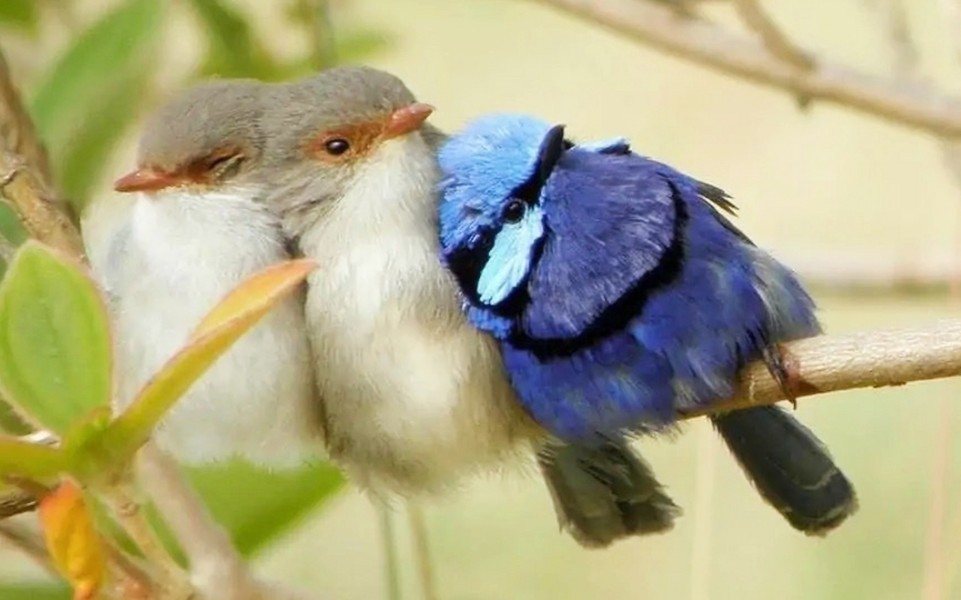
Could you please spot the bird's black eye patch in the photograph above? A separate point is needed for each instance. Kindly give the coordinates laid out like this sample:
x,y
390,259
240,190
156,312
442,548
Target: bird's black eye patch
x,y
514,211
336,146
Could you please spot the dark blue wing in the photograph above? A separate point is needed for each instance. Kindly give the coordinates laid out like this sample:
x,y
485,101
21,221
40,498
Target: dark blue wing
x,y
680,343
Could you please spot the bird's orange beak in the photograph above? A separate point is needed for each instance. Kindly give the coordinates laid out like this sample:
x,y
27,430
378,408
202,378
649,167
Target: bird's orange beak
x,y
145,180
407,119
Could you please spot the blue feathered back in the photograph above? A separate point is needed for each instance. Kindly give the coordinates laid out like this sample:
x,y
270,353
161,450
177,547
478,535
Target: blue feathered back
x,y
632,295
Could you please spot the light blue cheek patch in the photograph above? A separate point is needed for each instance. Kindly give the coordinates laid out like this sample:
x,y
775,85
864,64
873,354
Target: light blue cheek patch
x,y
510,258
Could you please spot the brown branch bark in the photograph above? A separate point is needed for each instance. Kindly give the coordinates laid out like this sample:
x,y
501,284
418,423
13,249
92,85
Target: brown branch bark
x,y
918,106
776,42
17,128
832,363
28,542
25,175
872,275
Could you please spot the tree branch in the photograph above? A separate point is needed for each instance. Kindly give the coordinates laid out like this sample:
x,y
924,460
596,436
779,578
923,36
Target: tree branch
x,y
776,42
17,128
216,567
29,543
25,183
873,275
919,106
831,363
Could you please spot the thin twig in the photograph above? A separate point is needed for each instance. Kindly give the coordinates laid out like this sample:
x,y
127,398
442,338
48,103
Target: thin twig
x,y
921,107
25,175
215,566
129,513
831,363
873,275
15,503
755,17
389,543
17,128
29,543
422,556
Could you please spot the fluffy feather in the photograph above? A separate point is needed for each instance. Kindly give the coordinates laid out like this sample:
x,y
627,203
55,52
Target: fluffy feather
x,y
639,298
174,259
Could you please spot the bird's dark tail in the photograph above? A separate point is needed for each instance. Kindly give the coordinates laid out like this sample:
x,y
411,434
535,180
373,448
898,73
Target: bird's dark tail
x,y
605,492
789,466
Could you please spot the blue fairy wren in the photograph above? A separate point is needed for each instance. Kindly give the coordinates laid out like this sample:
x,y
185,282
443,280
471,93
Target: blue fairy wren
x,y
195,230
620,295
416,397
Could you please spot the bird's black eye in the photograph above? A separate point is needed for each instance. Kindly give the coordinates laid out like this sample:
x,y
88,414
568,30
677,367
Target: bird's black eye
x,y
514,211
336,146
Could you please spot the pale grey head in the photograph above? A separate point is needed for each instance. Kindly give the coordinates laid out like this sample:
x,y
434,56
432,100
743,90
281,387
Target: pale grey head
x,y
324,131
207,137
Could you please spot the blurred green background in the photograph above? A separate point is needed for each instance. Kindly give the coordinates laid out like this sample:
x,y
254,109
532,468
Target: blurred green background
x,y
820,187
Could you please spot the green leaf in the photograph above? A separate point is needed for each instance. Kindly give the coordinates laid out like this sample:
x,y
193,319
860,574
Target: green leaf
x,y
55,354
257,506
20,13
224,324
33,461
10,226
232,49
37,591
87,80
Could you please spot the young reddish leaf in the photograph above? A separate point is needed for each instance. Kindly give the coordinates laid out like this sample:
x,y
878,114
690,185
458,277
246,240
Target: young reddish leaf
x,y
256,295
222,326
72,540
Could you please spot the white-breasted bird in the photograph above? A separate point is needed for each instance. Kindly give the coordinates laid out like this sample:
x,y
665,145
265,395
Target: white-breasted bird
x,y
416,397
197,228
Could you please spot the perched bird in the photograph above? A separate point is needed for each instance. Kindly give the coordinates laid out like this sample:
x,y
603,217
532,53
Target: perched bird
x,y
620,295
417,398
196,229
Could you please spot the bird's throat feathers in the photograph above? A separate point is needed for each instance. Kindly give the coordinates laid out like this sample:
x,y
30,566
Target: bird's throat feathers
x,y
392,187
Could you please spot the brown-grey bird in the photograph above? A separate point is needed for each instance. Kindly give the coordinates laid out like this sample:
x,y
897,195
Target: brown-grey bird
x,y
196,229
416,397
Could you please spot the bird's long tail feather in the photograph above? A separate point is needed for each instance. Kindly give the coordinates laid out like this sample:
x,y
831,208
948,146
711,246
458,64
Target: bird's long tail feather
x,y
789,466
605,492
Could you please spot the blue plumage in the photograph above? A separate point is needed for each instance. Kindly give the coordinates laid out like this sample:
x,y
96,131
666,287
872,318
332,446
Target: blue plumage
x,y
620,295
631,297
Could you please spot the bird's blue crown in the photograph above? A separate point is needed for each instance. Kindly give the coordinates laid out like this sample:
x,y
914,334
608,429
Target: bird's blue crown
x,y
482,165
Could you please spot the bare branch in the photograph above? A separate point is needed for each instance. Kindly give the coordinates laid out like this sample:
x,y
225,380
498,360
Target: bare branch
x,y
776,42
215,565
870,274
17,128
29,543
918,106
24,182
831,363
422,556
129,512
216,569
15,503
